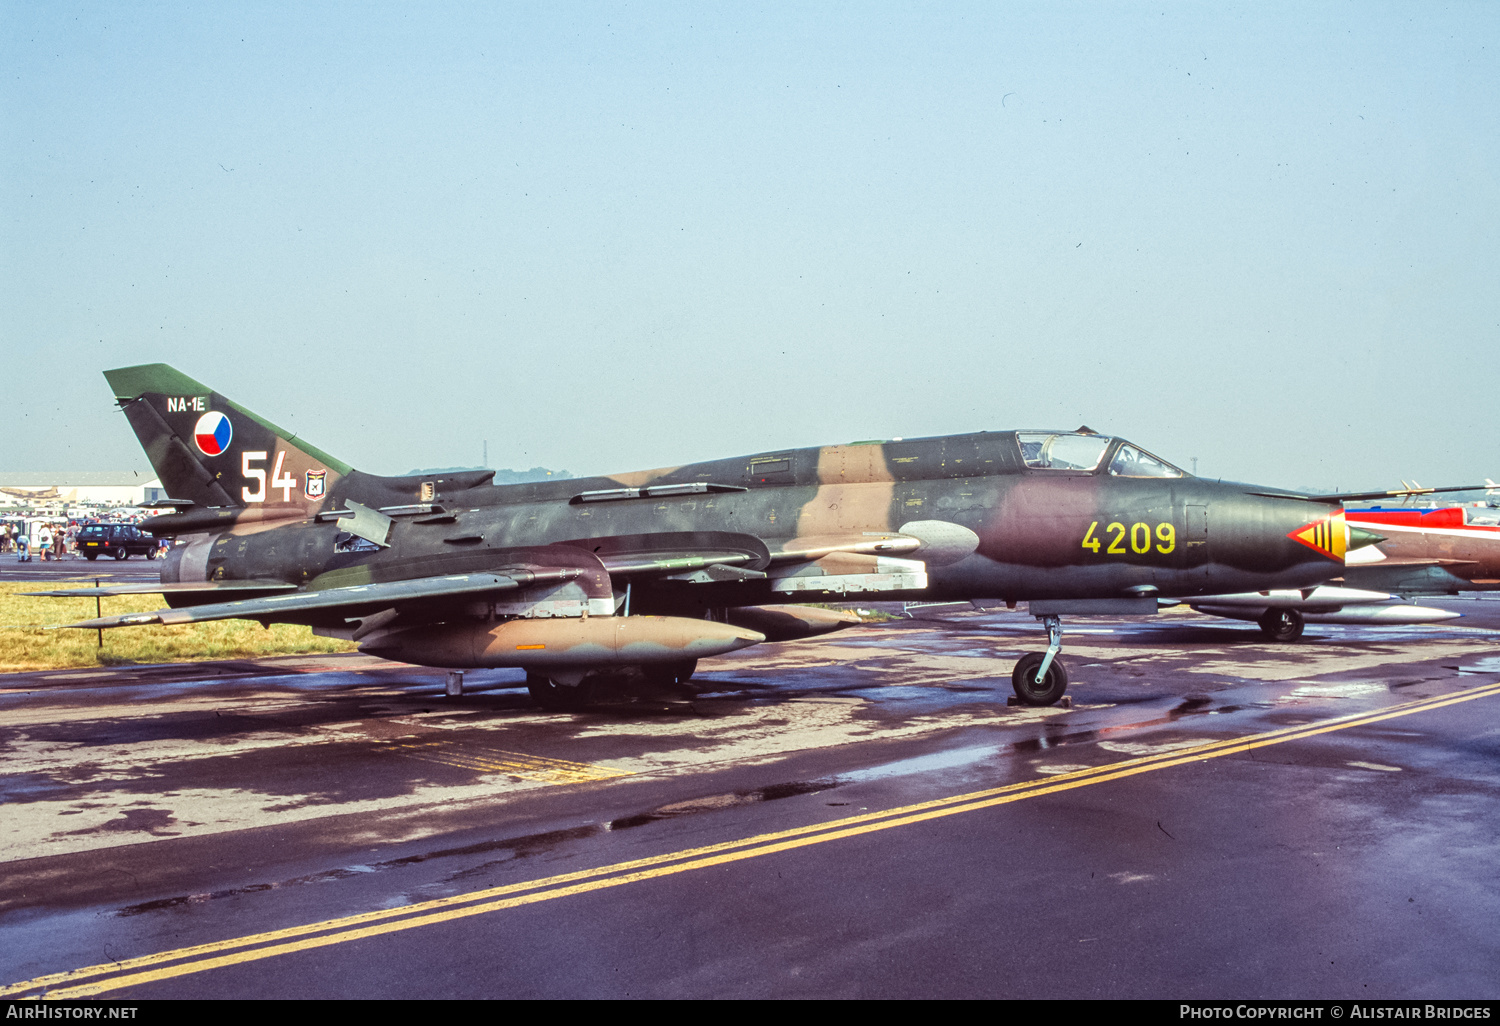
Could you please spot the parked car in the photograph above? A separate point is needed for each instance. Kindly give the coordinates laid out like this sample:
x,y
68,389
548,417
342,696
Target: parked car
x,y
119,540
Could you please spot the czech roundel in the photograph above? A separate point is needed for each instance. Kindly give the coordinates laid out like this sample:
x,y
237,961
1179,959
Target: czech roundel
x,y
213,433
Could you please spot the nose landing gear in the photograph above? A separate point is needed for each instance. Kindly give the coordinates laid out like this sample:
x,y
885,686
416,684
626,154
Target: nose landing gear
x,y
1039,677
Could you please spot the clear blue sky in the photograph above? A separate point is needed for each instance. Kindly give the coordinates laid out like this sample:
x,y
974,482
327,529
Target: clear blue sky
x,y
617,236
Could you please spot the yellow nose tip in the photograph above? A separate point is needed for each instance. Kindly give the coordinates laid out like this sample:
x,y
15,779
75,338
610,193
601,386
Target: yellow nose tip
x,y
1327,536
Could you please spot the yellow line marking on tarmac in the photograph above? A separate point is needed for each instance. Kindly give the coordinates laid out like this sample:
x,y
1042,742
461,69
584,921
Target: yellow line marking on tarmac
x,y
98,979
496,760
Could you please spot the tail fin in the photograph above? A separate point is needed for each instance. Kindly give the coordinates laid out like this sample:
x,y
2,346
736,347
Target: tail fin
x,y
212,451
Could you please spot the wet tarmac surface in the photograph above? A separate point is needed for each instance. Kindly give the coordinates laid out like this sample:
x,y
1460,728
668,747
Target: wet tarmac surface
x,y
861,815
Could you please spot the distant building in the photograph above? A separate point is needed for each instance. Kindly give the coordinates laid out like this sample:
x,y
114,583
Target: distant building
x,y
78,487
31,489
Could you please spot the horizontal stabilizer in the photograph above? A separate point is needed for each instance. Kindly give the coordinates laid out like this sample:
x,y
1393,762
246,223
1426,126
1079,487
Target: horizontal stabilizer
x,y
349,602
183,587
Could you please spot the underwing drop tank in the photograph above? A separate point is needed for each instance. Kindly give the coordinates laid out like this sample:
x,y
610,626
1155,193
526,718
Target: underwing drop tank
x,y
790,623
546,645
1324,598
1394,615
1282,613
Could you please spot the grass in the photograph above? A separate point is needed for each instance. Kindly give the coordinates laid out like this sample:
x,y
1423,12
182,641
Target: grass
x,y
25,645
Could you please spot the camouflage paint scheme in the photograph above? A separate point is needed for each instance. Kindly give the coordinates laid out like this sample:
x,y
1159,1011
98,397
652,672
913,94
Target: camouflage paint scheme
x,y
954,517
1031,523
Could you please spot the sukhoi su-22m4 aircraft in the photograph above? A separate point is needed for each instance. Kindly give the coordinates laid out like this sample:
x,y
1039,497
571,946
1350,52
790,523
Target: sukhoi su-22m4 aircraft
x,y
591,581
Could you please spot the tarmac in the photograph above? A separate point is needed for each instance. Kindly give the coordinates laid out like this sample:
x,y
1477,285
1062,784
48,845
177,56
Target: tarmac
x,y
860,815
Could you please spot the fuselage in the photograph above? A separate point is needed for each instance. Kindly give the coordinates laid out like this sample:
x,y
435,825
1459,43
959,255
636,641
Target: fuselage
x,y
1056,515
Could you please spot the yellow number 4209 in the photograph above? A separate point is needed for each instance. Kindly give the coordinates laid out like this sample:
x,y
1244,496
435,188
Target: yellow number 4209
x,y
1139,535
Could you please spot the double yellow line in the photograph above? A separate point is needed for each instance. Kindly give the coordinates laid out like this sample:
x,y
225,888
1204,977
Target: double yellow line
x,y
98,979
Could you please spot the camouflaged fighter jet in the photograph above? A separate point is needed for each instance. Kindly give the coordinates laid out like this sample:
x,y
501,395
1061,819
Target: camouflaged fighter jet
x,y
581,582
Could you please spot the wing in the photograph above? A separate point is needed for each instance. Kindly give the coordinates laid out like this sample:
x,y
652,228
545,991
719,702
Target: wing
x,y
348,603
1403,493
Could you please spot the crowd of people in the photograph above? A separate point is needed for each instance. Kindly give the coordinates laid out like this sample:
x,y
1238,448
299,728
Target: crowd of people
x,y
50,538
50,541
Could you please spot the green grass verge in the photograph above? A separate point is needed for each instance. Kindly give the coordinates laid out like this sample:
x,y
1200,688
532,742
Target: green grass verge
x,y
25,645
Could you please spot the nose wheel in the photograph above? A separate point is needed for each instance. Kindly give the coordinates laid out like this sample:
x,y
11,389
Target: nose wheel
x,y
1040,677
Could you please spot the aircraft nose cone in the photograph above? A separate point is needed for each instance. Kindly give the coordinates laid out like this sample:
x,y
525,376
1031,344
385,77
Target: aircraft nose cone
x,y
1359,538
1328,535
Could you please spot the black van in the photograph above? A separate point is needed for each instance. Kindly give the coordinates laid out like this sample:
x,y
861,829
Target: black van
x,y
119,540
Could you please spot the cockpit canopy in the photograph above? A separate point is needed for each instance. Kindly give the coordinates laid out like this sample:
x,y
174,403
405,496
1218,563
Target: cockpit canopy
x,y
1082,451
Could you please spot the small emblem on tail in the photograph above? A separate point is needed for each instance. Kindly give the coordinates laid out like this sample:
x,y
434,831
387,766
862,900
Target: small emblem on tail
x,y
213,433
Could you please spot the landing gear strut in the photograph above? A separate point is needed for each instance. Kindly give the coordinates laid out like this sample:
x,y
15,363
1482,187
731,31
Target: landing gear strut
x,y
672,674
555,697
1281,624
619,685
1039,677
